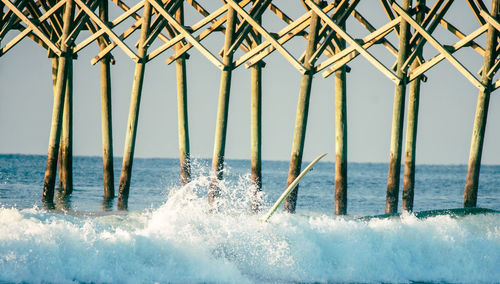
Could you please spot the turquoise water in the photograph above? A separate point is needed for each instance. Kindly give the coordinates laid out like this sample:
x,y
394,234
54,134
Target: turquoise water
x,y
169,236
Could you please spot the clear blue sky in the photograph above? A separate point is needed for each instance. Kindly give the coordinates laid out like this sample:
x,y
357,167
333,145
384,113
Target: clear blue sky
x,y
448,102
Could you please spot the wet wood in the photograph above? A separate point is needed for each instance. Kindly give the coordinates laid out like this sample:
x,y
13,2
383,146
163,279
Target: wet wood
x,y
299,135
57,110
391,203
66,144
340,138
256,132
135,101
222,112
411,126
477,141
106,115
182,111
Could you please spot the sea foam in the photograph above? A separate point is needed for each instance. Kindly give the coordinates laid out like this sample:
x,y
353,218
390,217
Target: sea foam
x,y
181,242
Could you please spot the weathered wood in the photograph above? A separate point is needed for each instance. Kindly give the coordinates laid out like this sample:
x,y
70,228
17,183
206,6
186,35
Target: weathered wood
x,y
374,61
459,66
476,148
256,131
302,114
205,52
66,144
182,111
106,115
438,58
57,110
33,27
222,112
135,101
340,137
265,34
411,126
391,205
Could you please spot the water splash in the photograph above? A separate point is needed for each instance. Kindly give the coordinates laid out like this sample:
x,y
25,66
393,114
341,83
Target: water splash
x,y
181,242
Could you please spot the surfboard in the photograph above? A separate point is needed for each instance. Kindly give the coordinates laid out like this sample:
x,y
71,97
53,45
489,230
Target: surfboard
x,y
291,187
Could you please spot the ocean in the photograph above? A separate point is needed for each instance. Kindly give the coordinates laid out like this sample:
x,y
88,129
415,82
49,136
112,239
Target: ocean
x,y
169,236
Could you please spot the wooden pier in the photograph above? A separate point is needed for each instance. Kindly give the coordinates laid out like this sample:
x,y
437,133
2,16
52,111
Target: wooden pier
x,y
148,30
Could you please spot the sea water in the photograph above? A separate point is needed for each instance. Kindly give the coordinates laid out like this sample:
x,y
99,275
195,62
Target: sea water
x,y
168,235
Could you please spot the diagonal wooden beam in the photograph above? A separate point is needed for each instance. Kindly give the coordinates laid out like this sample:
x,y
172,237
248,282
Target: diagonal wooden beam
x,y
28,30
107,30
187,35
114,23
346,55
438,58
264,33
461,35
80,20
264,49
34,28
467,74
9,19
374,61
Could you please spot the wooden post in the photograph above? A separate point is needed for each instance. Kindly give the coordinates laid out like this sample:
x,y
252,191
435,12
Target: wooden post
x,y
66,143
476,147
182,110
391,205
340,137
411,125
57,109
106,117
222,111
301,116
256,133
135,100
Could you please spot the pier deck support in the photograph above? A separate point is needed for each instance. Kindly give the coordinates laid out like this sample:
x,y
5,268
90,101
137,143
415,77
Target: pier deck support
x,y
301,116
340,139
182,110
66,143
106,115
57,109
476,147
222,111
411,126
135,100
256,134
391,205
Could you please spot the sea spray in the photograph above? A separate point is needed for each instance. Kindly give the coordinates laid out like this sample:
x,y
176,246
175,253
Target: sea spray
x,y
181,242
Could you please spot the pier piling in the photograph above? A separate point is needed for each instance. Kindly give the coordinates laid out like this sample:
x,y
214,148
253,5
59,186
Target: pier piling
x,y
483,100
66,144
256,134
222,110
57,109
340,137
411,125
106,114
135,101
391,205
302,113
182,109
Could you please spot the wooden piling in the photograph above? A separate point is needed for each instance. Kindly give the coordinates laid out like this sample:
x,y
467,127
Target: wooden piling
x,y
57,109
256,135
256,128
66,143
476,147
222,110
411,125
106,115
135,100
340,137
301,116
391,205
182,110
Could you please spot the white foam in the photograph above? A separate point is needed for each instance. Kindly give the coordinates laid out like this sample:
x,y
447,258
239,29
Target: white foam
x,y
182,242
